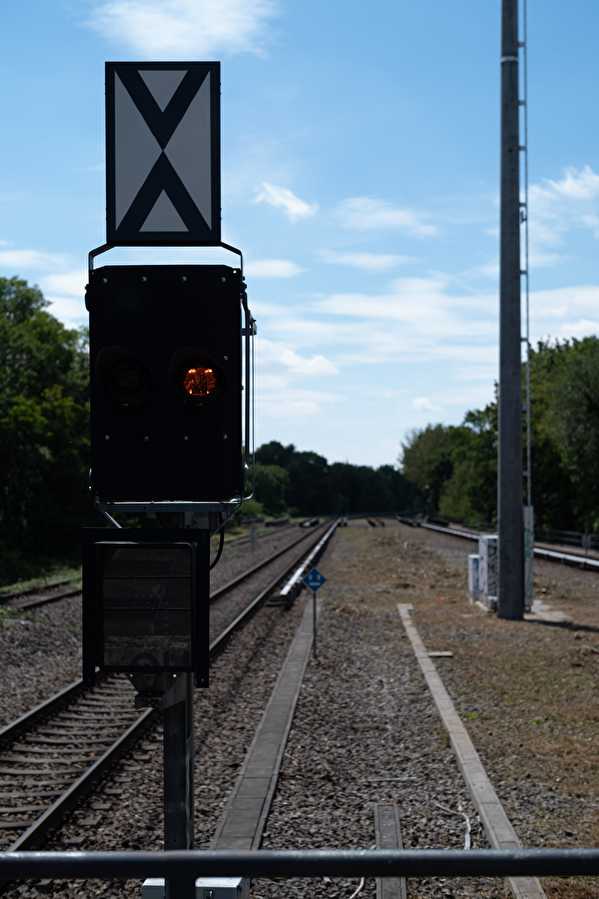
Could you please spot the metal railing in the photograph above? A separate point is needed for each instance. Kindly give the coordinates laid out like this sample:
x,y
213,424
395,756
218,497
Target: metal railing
x,y
546,535
569,538
180,869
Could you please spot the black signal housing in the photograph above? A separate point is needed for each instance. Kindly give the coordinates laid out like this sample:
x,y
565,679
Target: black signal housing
x,y
152,439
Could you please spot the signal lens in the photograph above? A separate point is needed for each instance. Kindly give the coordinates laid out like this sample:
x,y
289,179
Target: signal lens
x,y
128,379
200,382
125,380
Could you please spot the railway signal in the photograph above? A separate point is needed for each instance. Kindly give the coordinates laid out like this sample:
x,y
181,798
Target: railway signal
x,y
166,404
166,383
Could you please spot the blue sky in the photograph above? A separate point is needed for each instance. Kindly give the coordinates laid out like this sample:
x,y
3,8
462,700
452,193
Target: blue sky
x,y
360,177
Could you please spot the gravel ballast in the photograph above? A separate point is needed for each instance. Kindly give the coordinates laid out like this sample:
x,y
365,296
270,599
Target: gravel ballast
x,y
40,649
366,731
41,654
127,813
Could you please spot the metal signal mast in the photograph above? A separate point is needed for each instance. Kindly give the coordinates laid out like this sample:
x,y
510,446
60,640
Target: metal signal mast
x,y
511,596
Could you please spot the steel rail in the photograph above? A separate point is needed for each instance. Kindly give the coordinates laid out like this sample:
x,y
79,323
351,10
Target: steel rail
x,y
69,799
220,642
27,591
549,555
260,565
11,731
13,600
294,579
41,599
260,534
573,559
56,812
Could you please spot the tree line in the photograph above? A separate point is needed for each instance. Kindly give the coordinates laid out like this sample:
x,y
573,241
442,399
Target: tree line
x,y
455,467
444,469
45,448
290,481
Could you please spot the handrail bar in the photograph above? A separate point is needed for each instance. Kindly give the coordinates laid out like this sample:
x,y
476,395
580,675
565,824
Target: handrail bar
x,y
184,866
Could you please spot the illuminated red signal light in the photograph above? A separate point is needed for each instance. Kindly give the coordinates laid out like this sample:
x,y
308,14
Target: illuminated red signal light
x,y
200,382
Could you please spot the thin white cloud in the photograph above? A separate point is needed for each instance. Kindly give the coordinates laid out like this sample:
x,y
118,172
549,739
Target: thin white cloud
x,y
370,262
196,29
71,283
559,206
424,404
488,269
282,198
290,403
421,319
538,259
424,304
583,327
360,342
280,376
262,309
564,312
69,310
488,372
371,213
591,221
273,268
469,397
576,184
541,259
65,292
493,231
277,354
29,259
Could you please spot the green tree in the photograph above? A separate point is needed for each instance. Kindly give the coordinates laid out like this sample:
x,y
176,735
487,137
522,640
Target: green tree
x,y
271,483
315,487
574,420
470,494
274,453
44,449
552,487
428,460
309,488
457,467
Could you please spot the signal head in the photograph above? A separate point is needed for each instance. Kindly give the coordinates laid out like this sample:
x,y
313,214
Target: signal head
x,y
200,382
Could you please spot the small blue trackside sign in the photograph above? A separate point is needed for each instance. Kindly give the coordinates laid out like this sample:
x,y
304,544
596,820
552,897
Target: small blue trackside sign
x,y
314,579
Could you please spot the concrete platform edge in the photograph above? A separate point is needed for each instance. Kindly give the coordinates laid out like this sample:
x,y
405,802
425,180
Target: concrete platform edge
x,y
492,814
260,770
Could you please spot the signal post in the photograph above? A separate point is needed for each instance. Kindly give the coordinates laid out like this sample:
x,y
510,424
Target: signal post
x,y
170,404
511,598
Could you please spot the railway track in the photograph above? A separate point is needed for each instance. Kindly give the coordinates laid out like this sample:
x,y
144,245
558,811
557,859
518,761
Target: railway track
x,y
32,598
49,589
53,756
549,555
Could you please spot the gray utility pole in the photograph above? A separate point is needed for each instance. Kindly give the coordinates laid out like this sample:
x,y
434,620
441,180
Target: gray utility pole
x,y
509,499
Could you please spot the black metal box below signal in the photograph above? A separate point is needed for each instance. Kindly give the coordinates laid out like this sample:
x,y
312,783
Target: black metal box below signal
x,y
146,597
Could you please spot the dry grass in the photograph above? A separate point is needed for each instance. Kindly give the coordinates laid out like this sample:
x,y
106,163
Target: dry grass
x,y
527,692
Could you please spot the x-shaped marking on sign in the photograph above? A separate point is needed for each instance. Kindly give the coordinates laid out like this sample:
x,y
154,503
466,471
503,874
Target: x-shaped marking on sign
x,y
162,123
